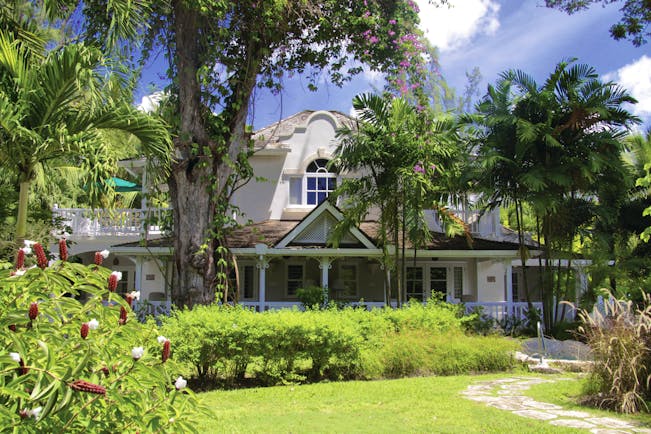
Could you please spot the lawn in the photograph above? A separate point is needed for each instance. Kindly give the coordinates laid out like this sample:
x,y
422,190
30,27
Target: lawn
x,y
424,404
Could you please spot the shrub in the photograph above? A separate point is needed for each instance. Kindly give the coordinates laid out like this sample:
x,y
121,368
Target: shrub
x,y
68,366
311,297
620,338
416,352
230,343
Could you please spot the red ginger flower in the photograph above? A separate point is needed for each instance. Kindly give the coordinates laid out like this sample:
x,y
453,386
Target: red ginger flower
x,y
123,316
84,330
23,368
85,386
63,249
100,256
166,350
113,280
41,259
33,311
20,259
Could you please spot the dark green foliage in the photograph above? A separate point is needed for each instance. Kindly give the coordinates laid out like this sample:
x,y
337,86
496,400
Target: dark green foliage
x,y
311,297
239,346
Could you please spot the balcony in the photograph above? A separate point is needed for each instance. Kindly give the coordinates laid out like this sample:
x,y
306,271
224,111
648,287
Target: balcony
x,y
484,225
120,222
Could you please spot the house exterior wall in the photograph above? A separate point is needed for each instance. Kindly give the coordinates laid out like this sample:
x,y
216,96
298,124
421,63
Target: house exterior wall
x,y
269,199
491,281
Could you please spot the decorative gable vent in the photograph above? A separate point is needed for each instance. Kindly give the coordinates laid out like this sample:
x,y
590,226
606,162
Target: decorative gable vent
x,y
317,232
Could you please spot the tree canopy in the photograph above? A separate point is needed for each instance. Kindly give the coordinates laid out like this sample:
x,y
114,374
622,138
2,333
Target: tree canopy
x,y
633,25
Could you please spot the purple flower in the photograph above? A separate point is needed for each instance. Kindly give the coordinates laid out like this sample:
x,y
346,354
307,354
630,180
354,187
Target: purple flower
x,y
392,21
373,40
418,168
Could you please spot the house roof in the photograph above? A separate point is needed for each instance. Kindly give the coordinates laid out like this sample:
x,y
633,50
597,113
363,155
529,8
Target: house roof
x,y
271,137
271,232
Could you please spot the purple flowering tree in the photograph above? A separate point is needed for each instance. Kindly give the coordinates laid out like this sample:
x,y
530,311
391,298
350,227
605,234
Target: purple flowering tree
x,y
219,52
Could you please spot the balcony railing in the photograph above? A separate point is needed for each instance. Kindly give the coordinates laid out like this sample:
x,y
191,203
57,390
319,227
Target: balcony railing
x,y
486,224
83,222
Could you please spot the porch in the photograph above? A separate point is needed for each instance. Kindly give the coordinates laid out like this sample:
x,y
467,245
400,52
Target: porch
x,y
496,310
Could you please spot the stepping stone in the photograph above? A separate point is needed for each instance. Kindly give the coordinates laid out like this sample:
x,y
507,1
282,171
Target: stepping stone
x,y
572,423
607,431
485,398
535,414
507,406
543,406
573,413
610,422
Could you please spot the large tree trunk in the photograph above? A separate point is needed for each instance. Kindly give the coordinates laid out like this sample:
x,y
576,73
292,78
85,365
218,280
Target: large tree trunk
x,y
191,173
200,174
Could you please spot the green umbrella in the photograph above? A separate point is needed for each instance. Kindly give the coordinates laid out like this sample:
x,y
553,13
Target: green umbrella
x,y
122,185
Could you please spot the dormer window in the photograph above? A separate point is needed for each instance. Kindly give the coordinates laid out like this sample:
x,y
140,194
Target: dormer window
x,y
315,186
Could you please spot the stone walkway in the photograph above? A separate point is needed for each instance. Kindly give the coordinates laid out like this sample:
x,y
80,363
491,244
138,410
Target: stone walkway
x,y
507,394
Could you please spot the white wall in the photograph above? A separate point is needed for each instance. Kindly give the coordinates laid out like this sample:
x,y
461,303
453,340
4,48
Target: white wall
x,y
268,199
489,290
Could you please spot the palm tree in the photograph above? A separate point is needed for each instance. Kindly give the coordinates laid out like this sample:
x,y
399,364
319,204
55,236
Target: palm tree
x,y
55,111
548,146
404,158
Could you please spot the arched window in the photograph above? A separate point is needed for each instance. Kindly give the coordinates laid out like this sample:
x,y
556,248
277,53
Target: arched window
x,y
315,186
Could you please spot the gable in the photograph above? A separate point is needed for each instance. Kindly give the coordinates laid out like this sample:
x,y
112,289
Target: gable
x,y
316,227
318,232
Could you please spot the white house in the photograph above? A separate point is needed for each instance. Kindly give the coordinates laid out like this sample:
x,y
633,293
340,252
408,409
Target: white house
x,y
286,247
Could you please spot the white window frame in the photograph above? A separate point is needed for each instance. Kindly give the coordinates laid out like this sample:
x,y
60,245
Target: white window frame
x,y
449,279
321,172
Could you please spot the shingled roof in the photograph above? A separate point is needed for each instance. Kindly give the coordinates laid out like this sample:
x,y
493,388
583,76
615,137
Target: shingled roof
x,y
270,232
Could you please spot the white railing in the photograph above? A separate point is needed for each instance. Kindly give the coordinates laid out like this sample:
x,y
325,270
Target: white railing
x,y
85,222
146,308
486,224
504,309
496,309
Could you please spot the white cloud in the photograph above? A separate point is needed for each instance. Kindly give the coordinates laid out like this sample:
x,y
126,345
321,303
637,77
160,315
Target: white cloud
x,y
450,28
636,78
150,103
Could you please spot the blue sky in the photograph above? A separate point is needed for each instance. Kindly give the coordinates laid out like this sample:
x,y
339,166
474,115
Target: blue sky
x,y
493,35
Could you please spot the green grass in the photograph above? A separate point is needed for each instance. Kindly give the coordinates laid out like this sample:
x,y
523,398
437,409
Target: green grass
x,y
425,404
566,393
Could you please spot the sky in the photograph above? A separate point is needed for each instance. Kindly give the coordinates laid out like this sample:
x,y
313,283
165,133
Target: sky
x,y
493,35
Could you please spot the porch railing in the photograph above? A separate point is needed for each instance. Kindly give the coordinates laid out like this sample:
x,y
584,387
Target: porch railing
x,y
496,309
486,224
503,309
84,222
144,308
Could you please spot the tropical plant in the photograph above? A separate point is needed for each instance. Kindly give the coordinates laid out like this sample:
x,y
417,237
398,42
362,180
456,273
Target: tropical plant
x,y
55,111
549,146
75,359
620,339
405,161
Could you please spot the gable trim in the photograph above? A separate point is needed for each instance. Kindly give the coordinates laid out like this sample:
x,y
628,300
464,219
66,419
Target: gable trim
x,y
322,208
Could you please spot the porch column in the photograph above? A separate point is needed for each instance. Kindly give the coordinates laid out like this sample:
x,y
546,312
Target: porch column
x,y
262,264
138,279
509,287
325,264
